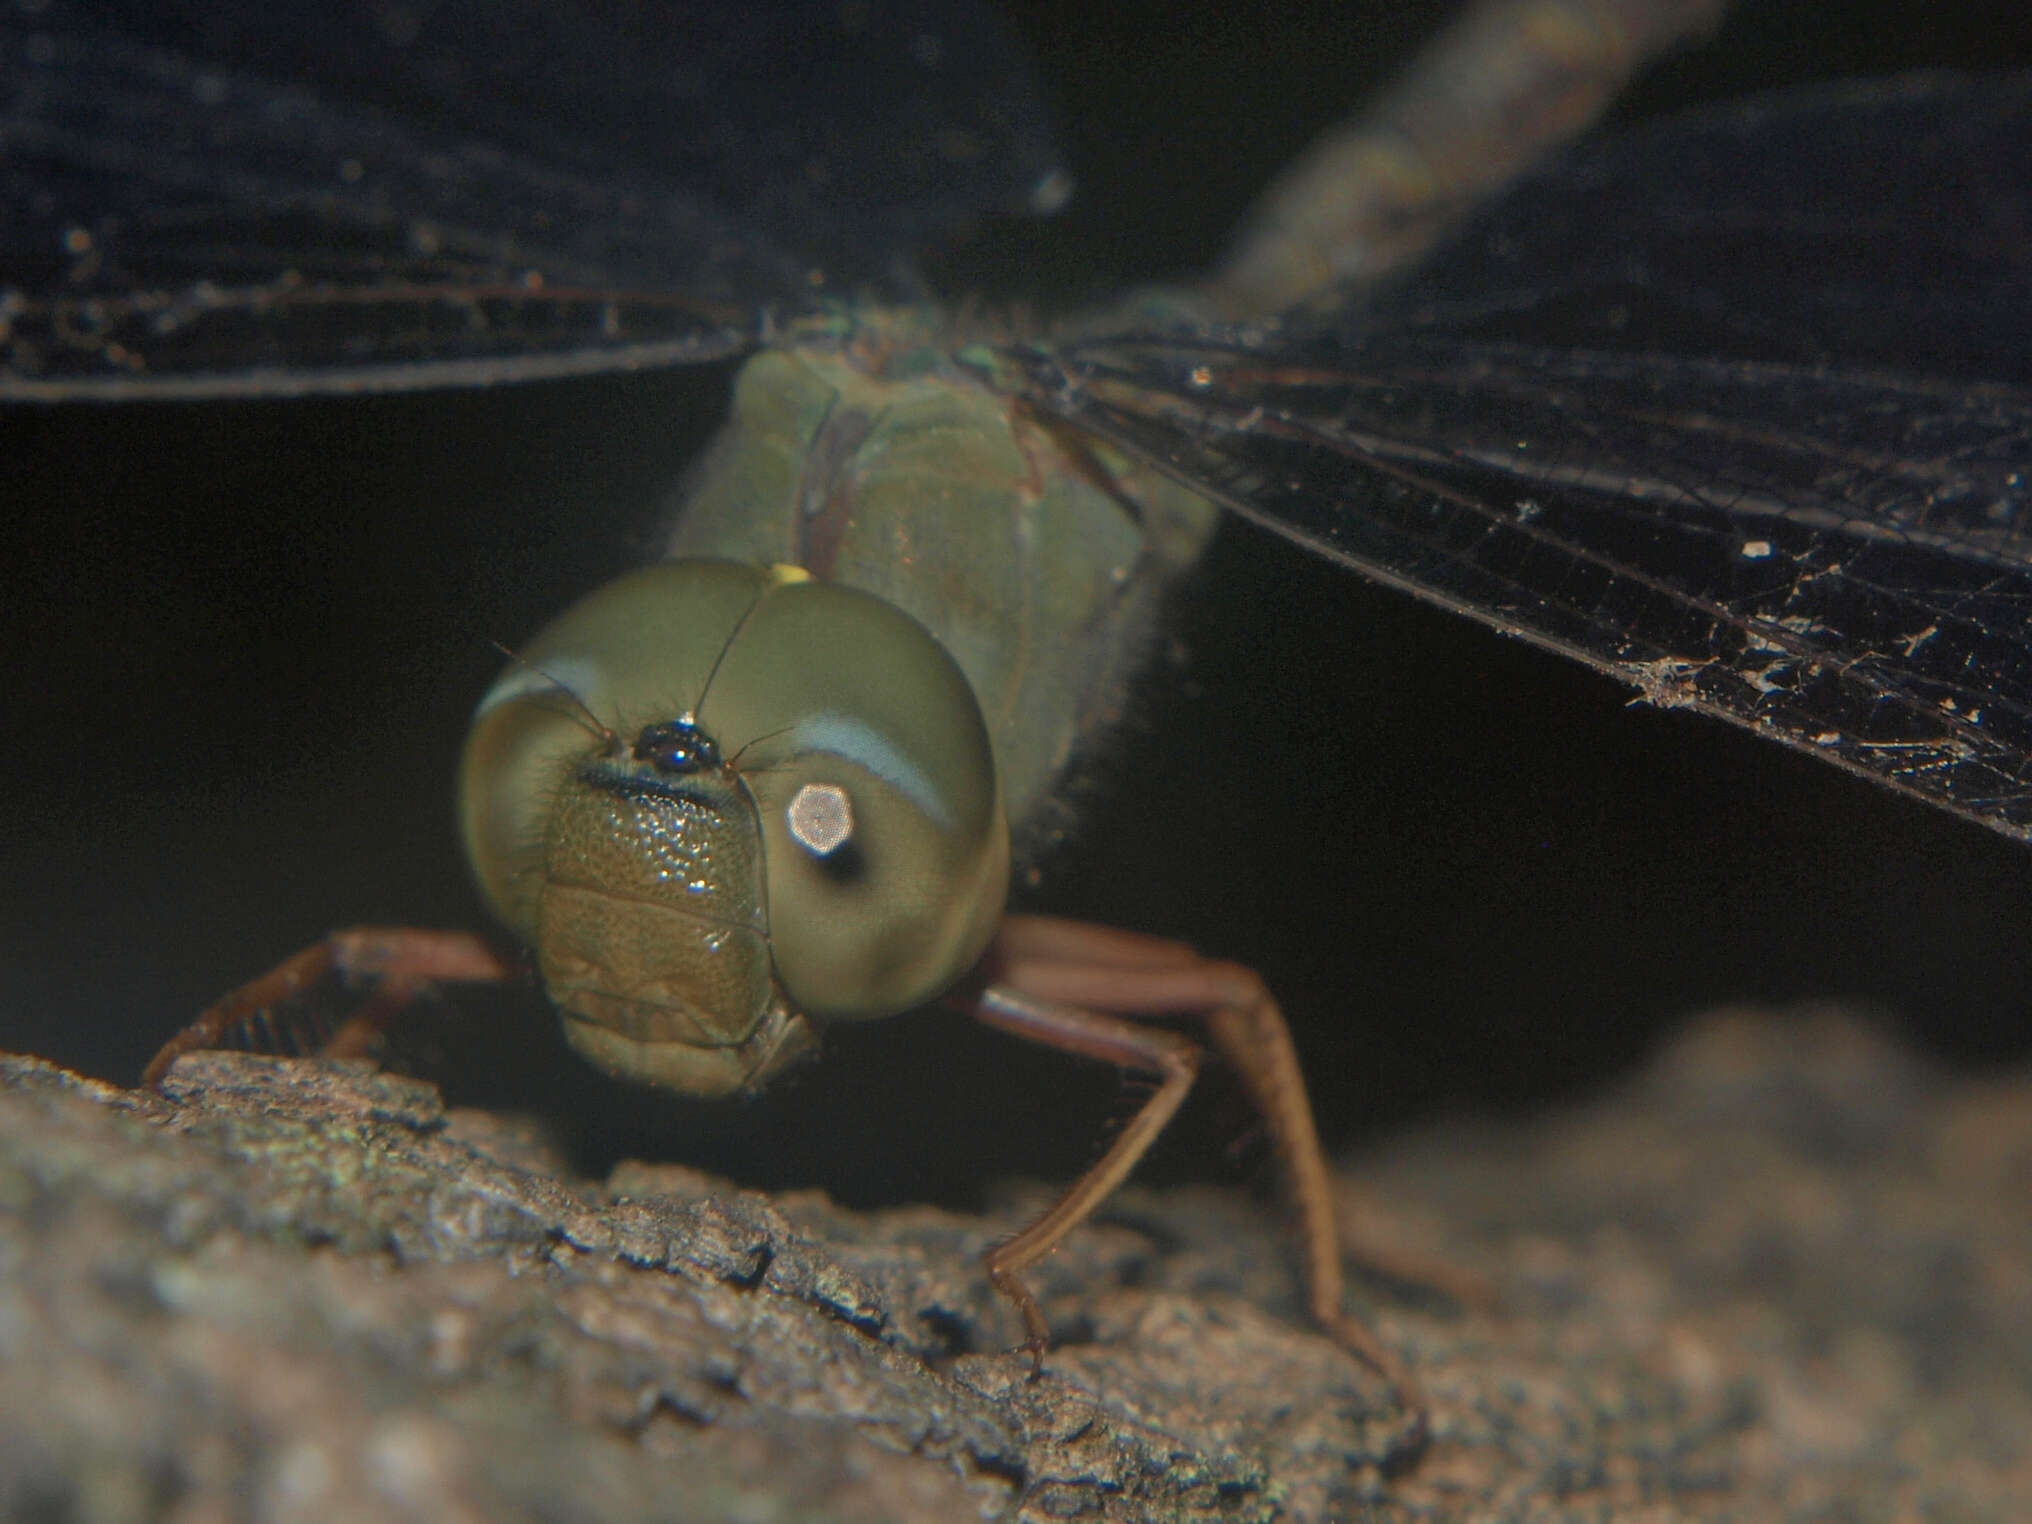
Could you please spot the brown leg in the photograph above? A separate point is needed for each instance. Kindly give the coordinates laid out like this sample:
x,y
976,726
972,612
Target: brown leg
x,y
1174,1059
1053,977
400,961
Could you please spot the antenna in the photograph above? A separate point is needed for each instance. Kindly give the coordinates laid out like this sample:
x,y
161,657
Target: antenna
x,y
592,721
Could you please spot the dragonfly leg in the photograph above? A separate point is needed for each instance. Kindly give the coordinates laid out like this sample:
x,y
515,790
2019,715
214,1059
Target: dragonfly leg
x,y
1054,979
1174,1059
400,961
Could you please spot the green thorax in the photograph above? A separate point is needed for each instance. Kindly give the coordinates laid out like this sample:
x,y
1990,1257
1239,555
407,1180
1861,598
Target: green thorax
x,y
873,459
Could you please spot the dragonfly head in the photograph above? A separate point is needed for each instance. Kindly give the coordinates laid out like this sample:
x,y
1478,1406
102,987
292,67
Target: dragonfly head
x,y
728,805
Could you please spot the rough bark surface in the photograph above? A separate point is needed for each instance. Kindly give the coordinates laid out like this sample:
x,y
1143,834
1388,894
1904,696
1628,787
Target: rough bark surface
x,y
1784,1275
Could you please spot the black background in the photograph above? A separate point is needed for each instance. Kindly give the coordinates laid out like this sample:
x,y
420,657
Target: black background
x,y
240,642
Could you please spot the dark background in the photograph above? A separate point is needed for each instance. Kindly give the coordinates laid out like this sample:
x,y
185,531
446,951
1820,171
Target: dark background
x,y
240,642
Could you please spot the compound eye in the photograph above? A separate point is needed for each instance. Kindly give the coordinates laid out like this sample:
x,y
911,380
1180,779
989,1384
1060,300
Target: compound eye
x,y
613,675
886,850
885,855
821,819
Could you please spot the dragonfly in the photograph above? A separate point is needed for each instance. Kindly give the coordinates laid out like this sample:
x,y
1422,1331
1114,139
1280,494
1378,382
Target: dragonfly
x,y
1758,455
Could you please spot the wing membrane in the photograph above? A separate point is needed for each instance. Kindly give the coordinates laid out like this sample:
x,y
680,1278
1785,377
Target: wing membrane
x,y
259,199
1724,492
1882,223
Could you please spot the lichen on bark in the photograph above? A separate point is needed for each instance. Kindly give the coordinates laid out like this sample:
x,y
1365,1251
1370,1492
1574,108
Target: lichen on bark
x,y
1782,1275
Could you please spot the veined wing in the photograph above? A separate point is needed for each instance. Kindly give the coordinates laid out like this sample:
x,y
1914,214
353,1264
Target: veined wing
x,y
243,197
1722,490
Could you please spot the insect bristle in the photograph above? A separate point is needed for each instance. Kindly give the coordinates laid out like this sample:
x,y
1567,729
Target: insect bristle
x,y
580,709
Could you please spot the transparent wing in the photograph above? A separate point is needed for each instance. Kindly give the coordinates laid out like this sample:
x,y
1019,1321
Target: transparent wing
x,y
1753,439
1877,223
245,198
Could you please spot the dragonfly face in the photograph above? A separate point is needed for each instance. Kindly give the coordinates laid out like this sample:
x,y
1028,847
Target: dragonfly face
x,y
726,805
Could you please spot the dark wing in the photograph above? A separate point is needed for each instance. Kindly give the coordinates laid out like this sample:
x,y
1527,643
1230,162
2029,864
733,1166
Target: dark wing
x,y
1735,412
259,197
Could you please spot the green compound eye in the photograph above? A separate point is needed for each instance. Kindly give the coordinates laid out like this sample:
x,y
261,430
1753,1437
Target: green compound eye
x,y
709,790
828,694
